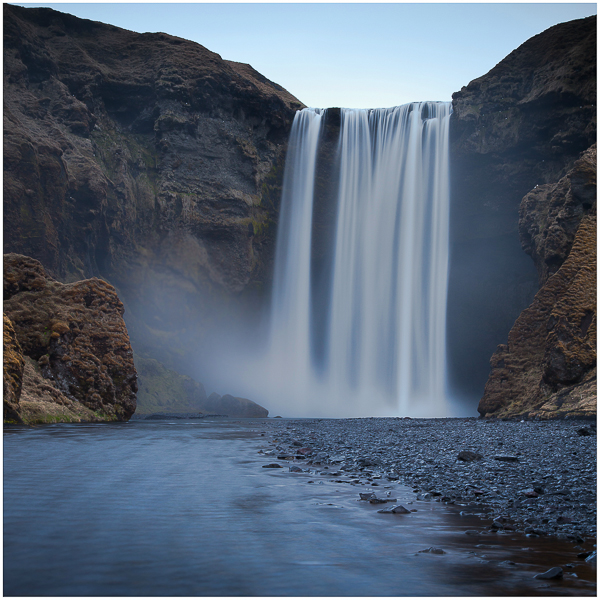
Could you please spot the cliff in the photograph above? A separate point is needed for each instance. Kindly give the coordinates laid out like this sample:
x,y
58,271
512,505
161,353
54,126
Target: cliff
x,y
548,367
522,125
144,159
67,355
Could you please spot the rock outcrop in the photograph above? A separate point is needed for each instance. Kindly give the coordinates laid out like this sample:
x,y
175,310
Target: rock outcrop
x,y
78,362
522,125
548,367
144,159
232,406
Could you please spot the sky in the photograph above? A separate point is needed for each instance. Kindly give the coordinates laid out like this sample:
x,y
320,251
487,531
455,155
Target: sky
x,y
360,55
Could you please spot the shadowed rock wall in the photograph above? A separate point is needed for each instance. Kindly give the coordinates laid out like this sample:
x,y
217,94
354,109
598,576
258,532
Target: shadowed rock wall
x,y
521,125
548,367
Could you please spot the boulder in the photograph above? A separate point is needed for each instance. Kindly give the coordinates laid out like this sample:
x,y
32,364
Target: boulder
x,y
75,344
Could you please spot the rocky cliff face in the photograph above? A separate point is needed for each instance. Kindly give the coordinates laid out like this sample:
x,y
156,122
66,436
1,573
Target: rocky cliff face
x,y
548,367
145,159
66,348
522,125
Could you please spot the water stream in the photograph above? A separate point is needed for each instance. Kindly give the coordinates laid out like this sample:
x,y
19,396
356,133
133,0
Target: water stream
x,y
187,509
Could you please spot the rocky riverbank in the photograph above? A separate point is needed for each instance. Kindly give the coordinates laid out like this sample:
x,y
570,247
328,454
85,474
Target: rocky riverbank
x,y
536,477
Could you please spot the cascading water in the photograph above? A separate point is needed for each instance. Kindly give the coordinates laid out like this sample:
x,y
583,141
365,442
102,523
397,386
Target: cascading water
x,y
381,334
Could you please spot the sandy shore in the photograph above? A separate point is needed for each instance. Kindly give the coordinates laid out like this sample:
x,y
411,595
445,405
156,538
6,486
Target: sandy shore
x,y
530,476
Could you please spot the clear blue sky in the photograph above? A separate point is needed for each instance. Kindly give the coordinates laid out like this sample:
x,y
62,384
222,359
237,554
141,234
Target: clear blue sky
x,y
352,55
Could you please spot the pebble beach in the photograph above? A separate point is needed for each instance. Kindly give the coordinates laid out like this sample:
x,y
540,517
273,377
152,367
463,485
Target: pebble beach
x,y
535,477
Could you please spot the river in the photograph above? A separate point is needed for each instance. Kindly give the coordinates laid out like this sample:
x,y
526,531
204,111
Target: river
x,y
186,509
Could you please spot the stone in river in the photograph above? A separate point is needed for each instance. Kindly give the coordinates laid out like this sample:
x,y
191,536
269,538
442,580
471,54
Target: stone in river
x,y
367,495
506,458
295,469
468,456
553,573
272,466
400,510
432,550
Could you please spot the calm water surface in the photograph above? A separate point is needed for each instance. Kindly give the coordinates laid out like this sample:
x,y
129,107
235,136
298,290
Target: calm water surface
x,y
186,509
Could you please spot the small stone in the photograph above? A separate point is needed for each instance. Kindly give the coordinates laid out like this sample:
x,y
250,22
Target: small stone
x,y
591,558
584,555
295,469
377,501
472,532
530,493
400,510
432,550
468,456
367,495
553,573
272,466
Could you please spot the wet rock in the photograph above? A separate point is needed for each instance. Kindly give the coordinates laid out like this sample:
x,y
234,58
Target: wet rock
x,y
432,550
295,469
553,573
400,510
591,558
367,495
272,466
468,456
506,458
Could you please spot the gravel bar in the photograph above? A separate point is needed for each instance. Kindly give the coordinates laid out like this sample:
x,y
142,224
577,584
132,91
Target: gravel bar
x,y
537,477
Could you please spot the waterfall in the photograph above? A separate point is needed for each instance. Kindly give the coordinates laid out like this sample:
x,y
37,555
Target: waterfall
x,y
374,343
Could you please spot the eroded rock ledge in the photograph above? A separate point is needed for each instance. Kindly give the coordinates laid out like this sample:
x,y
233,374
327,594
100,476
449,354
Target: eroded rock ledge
x,y
66,348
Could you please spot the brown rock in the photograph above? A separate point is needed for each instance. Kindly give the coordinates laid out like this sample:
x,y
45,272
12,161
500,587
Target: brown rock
x,y
76,336
550,215
13,373
548,367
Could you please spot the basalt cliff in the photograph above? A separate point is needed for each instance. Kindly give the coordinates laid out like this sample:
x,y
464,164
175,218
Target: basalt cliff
x,y
526,126
147,160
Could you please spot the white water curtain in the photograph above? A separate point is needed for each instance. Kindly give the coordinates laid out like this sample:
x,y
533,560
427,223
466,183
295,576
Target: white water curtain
x,y
386,319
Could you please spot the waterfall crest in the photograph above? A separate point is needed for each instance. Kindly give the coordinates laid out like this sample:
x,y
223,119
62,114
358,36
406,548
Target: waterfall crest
x,y
381,335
